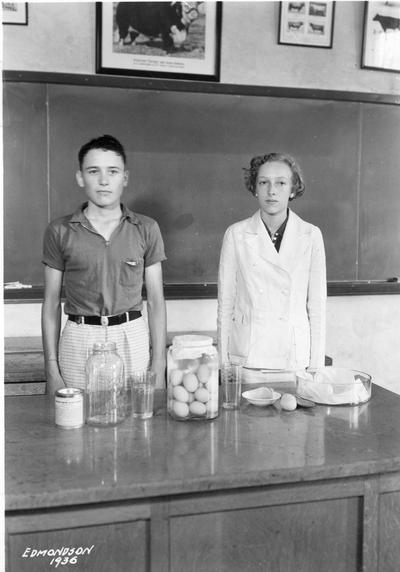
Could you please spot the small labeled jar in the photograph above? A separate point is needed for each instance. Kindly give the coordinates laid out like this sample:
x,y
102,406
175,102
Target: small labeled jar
x,y
69,408
192,378
106,390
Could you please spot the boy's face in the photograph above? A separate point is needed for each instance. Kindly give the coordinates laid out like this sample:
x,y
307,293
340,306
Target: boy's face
x,y
104,177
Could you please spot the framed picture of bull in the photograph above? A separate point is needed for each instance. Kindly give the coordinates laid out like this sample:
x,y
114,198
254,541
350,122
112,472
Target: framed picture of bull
x,y
179,40
381,39
307,24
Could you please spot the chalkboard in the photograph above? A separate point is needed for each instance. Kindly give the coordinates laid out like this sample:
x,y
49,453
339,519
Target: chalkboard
x,y
186,151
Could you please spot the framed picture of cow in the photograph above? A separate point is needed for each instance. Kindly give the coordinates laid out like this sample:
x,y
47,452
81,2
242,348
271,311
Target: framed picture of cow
x,y
15,13
178,40
307,24
381,39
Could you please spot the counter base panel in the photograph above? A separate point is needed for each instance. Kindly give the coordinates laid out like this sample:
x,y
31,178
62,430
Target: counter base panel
x,y
341,525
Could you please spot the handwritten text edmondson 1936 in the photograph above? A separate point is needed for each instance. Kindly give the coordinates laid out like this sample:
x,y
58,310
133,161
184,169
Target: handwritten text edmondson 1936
x,y
59,556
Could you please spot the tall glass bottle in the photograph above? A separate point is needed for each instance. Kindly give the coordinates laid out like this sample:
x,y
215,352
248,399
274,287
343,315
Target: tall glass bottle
x,y
106,392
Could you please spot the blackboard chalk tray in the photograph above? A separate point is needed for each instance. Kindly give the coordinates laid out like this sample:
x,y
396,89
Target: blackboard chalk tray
x,y
210,291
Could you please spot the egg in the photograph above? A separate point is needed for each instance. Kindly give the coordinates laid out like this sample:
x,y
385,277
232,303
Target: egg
x,y
203,373
180,409
192,365
176,376
190,382
288,402
202,395
180,394
197,408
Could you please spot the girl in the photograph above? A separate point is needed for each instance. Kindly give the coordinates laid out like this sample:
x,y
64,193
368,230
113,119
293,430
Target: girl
x,y
272,277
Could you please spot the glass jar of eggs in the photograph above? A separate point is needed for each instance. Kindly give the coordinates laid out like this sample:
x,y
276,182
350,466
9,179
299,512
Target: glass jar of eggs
x,y
192,370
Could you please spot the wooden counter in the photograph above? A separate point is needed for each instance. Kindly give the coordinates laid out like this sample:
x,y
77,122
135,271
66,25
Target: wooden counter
x,y
255,489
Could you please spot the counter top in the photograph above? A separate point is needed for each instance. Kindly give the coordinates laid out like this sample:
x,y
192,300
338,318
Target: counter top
x,y
46,466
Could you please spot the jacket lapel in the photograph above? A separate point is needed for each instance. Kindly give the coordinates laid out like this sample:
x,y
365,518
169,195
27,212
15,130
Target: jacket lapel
x,y
258,240
294,242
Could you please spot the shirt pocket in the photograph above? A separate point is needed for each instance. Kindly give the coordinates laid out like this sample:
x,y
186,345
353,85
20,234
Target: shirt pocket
x,y
131,271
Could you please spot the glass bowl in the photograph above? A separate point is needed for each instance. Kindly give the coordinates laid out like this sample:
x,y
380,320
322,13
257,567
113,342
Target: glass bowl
x,y
334,386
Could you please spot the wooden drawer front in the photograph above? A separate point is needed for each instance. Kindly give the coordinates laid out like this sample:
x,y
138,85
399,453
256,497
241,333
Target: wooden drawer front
x,y
28,388
24,372
389,532
24,366
306,537
114,547
115,539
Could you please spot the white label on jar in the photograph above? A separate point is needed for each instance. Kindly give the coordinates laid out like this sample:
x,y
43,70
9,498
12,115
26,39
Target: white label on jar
x,y
192,353
69,411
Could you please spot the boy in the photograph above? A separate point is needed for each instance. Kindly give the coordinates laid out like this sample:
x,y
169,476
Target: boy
x,y
103,251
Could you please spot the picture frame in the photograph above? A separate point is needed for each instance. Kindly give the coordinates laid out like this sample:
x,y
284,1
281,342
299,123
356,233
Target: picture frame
x,y
15,13
381,36
308,24
179,40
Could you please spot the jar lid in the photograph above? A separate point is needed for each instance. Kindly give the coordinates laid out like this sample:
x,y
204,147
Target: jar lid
x,y
191,341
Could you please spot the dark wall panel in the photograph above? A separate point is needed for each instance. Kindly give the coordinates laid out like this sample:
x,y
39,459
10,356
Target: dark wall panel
x,y
186,152
380,193
25,180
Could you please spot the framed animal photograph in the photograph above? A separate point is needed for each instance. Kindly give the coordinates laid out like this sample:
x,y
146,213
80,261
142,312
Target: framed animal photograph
x,y
307,24
159,39
381,39
15,13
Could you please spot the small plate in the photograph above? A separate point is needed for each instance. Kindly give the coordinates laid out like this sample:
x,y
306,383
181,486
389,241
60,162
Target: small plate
x,y
255,396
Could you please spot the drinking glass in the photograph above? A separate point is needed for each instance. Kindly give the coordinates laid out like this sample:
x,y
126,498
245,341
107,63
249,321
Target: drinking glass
x,y
142,386
231,384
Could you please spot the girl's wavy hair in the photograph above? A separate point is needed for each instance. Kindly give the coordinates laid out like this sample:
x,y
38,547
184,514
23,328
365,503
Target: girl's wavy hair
x,y
251,173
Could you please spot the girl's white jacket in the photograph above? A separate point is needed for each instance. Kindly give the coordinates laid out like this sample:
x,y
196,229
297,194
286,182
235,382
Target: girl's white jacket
x,y
272,305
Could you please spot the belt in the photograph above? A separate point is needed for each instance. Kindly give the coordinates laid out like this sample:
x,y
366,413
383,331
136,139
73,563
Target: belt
x,y
106,320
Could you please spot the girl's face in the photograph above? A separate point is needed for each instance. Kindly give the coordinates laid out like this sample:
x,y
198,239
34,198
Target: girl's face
x,y
274,187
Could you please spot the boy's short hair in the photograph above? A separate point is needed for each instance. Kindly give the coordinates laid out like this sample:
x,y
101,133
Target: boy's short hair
x,y
250,174
105,142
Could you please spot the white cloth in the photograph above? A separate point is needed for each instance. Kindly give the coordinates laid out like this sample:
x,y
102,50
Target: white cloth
x,y
272,305
131,339
332,386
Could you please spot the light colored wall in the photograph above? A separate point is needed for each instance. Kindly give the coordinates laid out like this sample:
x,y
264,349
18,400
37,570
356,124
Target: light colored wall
x,y
60,37
250,33
363,332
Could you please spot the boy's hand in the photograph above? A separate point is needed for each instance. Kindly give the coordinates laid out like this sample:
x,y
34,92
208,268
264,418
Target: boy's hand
x,y
53,377
158,366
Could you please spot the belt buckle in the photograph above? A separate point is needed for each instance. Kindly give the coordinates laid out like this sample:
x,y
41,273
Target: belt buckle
x,y
104,320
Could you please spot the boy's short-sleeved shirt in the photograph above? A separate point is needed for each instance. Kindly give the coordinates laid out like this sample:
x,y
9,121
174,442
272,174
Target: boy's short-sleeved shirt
x,y
102,277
